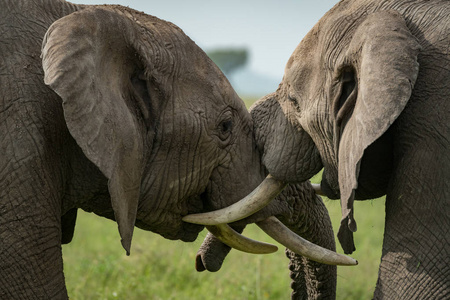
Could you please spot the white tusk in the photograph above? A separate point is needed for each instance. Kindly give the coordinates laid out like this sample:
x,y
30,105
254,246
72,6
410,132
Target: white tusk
x,y
317,189
256,200
237,241
279,232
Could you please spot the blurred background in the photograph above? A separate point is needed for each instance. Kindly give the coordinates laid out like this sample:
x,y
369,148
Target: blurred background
x,y
265,32
251,41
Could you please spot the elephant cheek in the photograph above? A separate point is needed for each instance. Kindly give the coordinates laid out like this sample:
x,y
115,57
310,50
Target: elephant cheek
x,y
185,232
189,232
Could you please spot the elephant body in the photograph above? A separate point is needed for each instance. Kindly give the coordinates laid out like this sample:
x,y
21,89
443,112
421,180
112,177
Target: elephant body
x,y
109,110
365,96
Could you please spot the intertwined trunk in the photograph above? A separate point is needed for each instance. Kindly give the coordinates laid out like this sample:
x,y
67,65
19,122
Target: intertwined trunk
x,y
310,280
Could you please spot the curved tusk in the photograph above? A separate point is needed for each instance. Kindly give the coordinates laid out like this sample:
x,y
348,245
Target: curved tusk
x,y
279,232
256,200
317,188
239,242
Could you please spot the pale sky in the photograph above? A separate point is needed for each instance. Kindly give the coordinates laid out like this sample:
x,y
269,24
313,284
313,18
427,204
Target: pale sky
x,y
269,29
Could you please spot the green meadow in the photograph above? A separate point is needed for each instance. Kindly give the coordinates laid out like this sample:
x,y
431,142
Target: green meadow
x,y
96,266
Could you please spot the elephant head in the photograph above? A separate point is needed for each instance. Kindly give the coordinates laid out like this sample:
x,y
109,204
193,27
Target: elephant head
x,y
344,86
154,114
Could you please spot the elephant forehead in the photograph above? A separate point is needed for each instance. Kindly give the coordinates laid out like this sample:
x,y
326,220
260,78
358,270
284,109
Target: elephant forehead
x,y
210,88
322,46
302,57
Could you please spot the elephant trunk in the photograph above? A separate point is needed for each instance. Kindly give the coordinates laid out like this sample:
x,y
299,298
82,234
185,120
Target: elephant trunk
x,y
310,279
211,254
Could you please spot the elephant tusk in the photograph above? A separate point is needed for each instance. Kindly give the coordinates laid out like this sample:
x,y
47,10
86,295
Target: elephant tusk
x,y
228,236
256,200
279,232
318,189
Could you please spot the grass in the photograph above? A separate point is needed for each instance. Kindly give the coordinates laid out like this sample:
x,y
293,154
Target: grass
x,y
96,267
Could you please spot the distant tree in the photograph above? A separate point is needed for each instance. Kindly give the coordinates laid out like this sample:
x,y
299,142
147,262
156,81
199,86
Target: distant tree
x,y
229,60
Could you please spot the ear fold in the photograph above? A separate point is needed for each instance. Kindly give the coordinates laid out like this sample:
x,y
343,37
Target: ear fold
x,y
384,55
90,65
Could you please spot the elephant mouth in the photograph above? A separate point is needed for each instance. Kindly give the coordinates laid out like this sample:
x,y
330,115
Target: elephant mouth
x,y
217,223
187,232
190,232
212,253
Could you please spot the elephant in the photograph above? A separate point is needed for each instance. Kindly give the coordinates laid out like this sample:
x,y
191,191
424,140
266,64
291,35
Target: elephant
x,y
115,112
365,96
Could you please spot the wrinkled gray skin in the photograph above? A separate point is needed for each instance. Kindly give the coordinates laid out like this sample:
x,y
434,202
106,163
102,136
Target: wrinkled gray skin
x,y
366,96
308,217
123,116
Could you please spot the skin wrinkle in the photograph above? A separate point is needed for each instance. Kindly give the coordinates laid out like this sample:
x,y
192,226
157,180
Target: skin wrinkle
x,y
319,124
411,210
18,161
195,157
188,177
290,113
178,165
310,220
184,186
341,37
24,196
431,238
168,126
163,56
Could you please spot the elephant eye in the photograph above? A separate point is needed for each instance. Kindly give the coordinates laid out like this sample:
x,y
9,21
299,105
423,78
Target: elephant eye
x,y
225,128
292,98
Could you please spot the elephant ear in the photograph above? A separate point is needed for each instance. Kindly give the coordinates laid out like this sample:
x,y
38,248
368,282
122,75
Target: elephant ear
x,y
90,63
383,59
